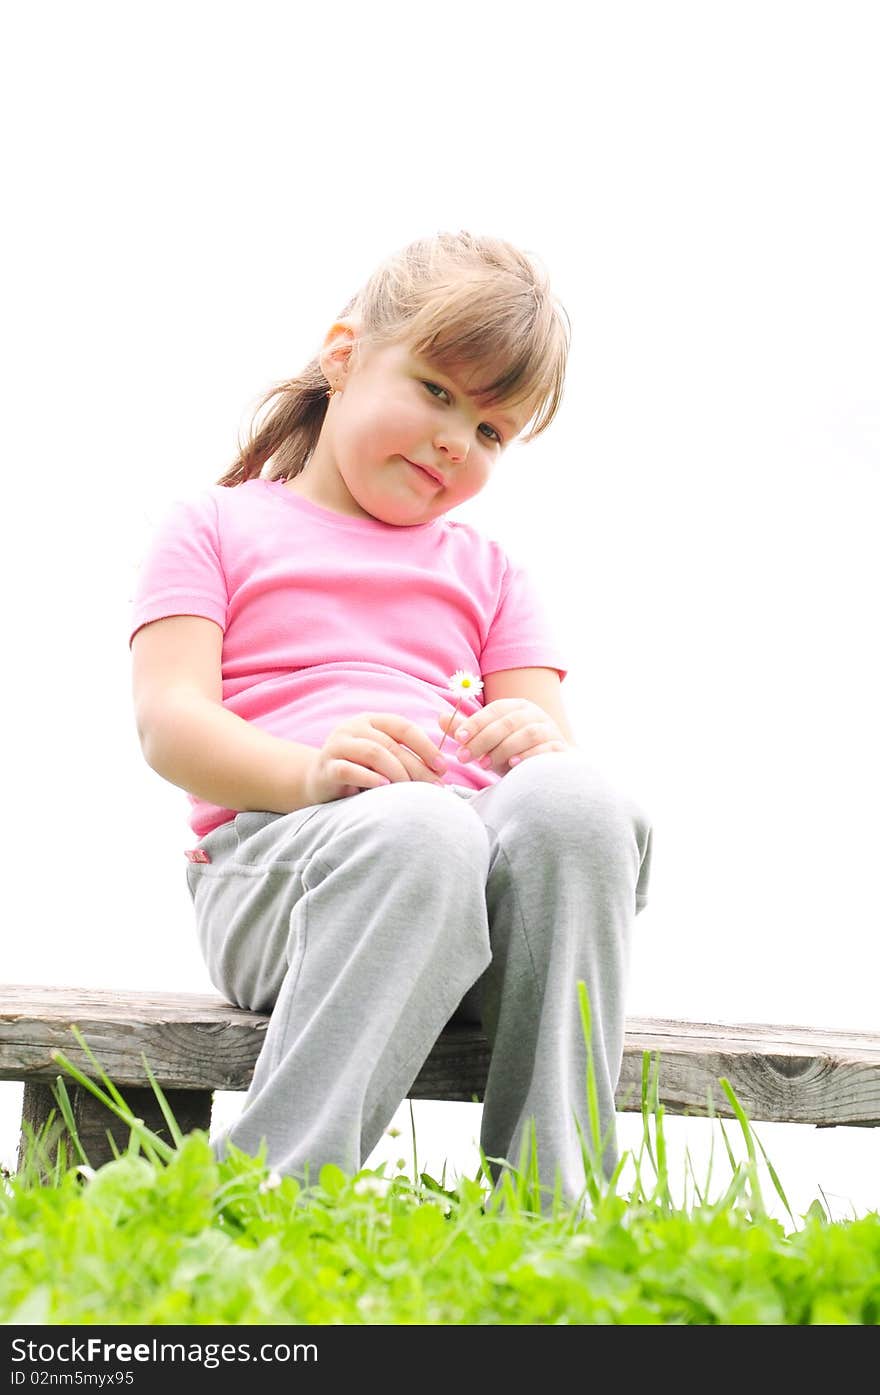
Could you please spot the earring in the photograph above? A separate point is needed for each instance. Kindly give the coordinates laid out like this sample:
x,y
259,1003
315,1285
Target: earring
x,y
331,391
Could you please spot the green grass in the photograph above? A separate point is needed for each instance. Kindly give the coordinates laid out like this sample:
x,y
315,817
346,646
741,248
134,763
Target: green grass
x,y
166,1234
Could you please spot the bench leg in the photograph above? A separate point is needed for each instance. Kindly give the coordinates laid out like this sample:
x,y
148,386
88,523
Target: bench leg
x,y
191,1109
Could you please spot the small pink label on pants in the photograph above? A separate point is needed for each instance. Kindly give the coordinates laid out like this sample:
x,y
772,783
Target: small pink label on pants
x,y
197,855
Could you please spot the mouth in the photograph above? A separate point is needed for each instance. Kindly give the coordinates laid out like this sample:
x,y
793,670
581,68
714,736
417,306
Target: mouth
x,y
426,472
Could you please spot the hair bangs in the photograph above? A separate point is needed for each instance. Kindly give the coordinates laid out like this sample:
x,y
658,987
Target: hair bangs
x,y
511,347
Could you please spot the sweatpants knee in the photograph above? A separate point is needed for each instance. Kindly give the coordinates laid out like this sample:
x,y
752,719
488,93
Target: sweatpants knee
x,y
567,805
420,830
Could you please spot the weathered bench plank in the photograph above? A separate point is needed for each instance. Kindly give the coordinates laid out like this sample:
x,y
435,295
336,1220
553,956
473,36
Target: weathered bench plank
x,y
193,1041
198,1043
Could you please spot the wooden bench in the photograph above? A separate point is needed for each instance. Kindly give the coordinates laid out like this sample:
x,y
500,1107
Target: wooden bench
x,y
197,1043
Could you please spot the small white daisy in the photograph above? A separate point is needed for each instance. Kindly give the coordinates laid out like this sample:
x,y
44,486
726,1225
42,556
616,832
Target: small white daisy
x,y
462,683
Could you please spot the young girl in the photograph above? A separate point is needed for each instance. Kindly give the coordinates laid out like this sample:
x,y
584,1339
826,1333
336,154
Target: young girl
x,y
295,627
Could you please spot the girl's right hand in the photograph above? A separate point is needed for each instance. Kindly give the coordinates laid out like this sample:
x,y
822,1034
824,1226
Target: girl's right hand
x,y
372,749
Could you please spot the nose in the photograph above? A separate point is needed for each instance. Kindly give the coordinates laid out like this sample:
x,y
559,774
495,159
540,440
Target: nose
x,y
453,440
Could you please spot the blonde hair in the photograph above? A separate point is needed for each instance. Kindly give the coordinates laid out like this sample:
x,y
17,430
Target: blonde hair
x,y
458,300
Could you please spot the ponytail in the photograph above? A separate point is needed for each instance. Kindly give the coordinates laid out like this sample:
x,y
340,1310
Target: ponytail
x,y
289,433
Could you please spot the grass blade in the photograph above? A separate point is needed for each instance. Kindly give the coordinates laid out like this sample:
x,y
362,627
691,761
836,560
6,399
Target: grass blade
x,y
746,1130
592,1092
167,1113
59,1091
775,1180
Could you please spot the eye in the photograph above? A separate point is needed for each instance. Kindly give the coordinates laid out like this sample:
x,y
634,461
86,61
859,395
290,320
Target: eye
x,y
435,390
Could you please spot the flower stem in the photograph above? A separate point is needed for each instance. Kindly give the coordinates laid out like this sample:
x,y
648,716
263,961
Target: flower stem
x,y
451,720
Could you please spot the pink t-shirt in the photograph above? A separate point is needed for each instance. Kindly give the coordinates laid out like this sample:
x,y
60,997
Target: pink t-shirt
x,y
325,616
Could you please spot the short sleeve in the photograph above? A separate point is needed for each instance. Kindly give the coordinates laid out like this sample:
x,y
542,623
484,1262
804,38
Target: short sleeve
x,y
182,571
521,634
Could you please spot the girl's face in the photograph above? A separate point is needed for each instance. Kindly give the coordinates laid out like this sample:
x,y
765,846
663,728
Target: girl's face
x,y
402,441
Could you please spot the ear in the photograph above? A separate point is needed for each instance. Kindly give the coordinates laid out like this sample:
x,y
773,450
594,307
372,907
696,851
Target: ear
x,y
336,356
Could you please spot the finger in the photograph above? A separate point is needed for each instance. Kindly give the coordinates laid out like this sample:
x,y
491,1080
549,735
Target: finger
x,y
373,753
462,727
396,763
356,777
547,746
506,736
418,770
447,719
484,730
410,736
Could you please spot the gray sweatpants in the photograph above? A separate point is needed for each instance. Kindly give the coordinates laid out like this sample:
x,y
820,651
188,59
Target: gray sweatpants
x,y
364,925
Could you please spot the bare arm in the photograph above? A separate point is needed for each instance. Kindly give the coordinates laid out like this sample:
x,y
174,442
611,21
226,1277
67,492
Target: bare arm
x,y
541,686
189,738
192,740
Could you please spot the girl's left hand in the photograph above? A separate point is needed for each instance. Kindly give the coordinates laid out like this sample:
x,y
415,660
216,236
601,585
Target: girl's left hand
x,y
507,730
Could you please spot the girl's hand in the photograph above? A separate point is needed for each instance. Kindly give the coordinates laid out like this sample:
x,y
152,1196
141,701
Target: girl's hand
x,y
372,749
504,732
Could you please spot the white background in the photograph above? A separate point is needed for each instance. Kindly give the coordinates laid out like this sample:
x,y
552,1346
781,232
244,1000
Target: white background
x,y
194,190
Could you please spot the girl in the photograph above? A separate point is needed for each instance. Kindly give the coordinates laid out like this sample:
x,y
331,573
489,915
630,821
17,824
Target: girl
x,y
294,631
